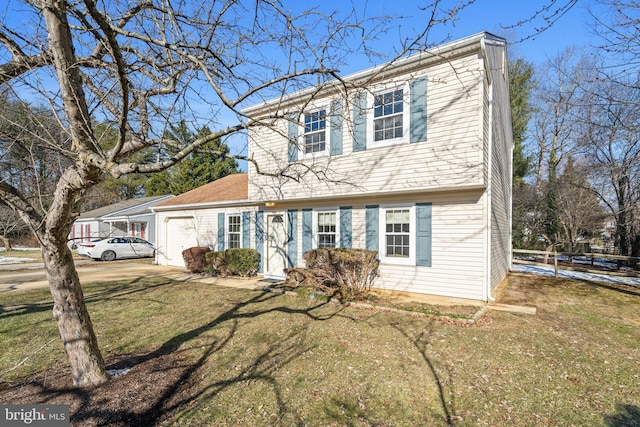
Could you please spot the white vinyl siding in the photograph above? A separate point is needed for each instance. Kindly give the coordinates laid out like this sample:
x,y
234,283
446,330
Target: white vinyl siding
x,y
458,242
457,252
203,222
501,173
452,152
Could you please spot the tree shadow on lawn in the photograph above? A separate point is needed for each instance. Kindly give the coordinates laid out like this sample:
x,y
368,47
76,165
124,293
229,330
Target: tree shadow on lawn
x,y
109,291
627,416
421,341
162,382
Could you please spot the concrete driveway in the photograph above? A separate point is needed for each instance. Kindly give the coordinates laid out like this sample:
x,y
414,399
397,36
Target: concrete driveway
x,y
32,275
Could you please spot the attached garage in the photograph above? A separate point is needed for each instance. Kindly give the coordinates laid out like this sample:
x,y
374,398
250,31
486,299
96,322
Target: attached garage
x,y
217,215
180,234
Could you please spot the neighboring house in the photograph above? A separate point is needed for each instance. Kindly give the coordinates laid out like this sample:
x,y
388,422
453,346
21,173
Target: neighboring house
x,y
131,217
416,165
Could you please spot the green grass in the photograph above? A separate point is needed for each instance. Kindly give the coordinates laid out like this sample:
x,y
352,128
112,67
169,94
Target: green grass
x,y
35,254
268,359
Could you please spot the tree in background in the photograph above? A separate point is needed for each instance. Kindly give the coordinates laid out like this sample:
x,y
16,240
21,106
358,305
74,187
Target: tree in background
x,y
521,85
612,124
139,66
10,225
611,143
556,124
206,164
580,215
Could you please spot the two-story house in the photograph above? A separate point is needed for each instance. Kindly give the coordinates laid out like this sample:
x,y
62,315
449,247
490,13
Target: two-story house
x,y
411,159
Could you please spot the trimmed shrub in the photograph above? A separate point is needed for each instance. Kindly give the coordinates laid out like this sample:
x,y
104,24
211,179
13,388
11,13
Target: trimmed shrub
x,y
194,258
345,273
242,261
233,262
216,265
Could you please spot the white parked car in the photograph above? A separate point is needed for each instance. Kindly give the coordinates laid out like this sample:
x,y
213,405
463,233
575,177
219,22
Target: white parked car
x,y
84,247
120,247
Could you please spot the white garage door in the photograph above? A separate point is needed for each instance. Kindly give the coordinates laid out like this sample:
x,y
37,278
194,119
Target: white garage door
x,y
181,234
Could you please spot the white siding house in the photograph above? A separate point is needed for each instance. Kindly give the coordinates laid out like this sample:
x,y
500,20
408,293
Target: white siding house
x,y
131,217
411,159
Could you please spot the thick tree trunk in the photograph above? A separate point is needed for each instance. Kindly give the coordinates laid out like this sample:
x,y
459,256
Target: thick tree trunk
x,y
70,312
6,243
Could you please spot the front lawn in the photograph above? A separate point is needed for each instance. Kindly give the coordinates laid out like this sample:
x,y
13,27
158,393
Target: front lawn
x,y
205,355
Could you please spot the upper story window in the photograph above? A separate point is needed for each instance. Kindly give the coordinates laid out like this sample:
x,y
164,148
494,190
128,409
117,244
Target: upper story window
x,y
234,225
387,115
315,132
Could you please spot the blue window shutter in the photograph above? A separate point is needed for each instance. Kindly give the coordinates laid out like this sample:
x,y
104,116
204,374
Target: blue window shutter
x,y
292,234
371,228
345,227
246,239
293,137
418,110
307,230
423,234
260,238
360,122
335,121
221,232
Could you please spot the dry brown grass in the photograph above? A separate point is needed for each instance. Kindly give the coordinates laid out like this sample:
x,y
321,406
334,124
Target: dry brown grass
x,y
205,355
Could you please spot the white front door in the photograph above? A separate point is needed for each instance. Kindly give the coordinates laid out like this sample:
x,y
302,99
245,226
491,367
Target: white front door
x,y
276,246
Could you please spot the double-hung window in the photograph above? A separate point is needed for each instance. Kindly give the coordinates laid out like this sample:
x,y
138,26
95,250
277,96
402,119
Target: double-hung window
x,y
315,132
397,234
234,228
388,109
326,229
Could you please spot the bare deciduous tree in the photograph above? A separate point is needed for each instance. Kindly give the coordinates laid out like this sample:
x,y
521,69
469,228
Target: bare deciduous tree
x,y
143,66
556,122
611,143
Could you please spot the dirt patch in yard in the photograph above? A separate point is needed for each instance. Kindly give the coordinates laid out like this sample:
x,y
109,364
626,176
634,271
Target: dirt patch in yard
x,y
153,389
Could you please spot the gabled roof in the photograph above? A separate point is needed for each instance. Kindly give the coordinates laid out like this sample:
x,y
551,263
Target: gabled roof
x,y
131,206
383,71
233,187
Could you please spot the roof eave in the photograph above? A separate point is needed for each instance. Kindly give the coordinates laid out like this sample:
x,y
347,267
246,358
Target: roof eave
x,y
402,65
205,205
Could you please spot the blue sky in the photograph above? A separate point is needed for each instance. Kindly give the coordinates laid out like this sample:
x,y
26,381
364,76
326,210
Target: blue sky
x,y
572,29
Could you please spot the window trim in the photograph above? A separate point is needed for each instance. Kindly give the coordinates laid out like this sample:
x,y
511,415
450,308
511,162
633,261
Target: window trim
x,y
227,220
382,241
406,114
314,237
302,154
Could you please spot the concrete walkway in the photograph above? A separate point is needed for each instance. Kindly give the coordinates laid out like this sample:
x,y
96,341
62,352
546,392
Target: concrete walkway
x,y
32,275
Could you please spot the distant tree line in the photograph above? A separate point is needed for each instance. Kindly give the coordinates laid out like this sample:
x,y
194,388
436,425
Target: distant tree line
x,y
576,123
26,162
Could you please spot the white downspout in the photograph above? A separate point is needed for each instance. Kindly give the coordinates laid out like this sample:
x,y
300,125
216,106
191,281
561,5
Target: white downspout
x,y
489,188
